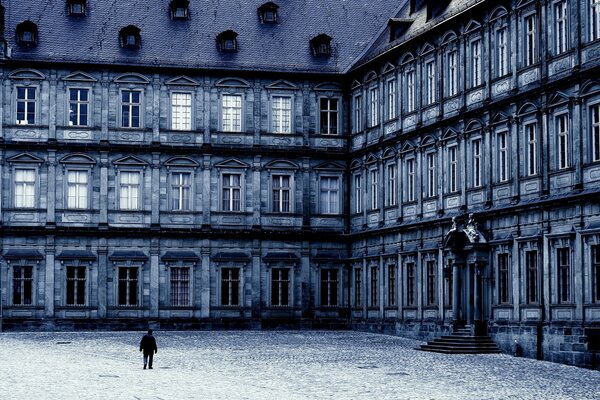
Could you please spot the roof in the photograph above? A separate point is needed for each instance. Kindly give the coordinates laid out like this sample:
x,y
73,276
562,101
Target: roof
x,y
183,255
15,254
192,43
76,255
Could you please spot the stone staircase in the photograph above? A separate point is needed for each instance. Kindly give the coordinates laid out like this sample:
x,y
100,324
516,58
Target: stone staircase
x,y
462,341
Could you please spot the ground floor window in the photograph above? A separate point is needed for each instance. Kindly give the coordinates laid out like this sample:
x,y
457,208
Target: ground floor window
x,y
280,287
230,286
503,279
431,282
564,272
180,286
391,285
373,300
411,282
596,273
76,277
128,286
531,281
22,285
329,287
357,287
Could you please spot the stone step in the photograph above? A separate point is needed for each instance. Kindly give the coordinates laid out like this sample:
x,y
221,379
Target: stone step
x,y
462,342
445,350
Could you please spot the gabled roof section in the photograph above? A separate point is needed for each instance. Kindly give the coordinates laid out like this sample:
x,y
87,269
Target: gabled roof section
x,y
190,44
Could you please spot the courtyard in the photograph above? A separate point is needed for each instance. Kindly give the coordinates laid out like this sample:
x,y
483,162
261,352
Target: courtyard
x,y
270,365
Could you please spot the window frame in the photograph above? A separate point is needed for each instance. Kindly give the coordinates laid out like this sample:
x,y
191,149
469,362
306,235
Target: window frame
x,y
563,137
391,184
242,184
23,263
453,186
86,285
180,265
532,147
88,172
328,112
594,20
563,284
374,188
222,114
89,104
503,164
410,283
118,185
530,40
477,160
476,62
290,285
373,272
357,108
504,285
273,113
431,283
240,284
338,178
392,285
430,69
452,89
431,176
357,282
141,106
172,119
561,35
373,96
410,77
291,190
502,53
391,98
181,170
594,110
410,189
338,298
358,195
35,101
138,267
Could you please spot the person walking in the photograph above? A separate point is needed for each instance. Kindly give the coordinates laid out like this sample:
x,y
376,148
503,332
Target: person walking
x,y
148,346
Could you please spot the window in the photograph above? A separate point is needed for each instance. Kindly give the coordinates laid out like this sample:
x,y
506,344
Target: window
x,y
321,45
562,123
374,298
128,286
26,103
329,192
530,40
130,37
357,287
22,290
449,283
357,193
391,99
357,114
373,106
595,20
391,185
531,284
503,156
329,287
410,92
596,273
282,114
230,287
181,185
411,283
476,63
27,34
268,13
374,175
179,9
502,51
431,172
231,113
596,132
75,286
79,106
530,131
77,189
280,287
452,74
76,7
431,282
281,194
477,162
181,111
503,279
560,20
129,190
453,169
564,275
329,116
431,81
410,179
131,106
180,286
391,298
24,188
232,192
227,41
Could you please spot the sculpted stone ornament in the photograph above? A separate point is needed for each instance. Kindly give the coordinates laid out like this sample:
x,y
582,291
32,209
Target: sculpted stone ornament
x,y
472,230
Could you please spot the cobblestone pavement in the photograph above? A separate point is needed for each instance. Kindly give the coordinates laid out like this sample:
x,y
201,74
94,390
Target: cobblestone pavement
x,y
271,365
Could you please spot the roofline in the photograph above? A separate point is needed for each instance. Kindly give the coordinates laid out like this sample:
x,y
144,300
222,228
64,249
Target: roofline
x,y
373,40
375,58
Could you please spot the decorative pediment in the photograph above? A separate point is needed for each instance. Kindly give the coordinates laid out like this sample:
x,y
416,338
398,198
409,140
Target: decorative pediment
x,y
232,82
181,162
79,76
558,98
330,166
407,58
371,159
499,117
328,87
428,141
499,12
281,164
389,153
77,159
523,3
26,73
427,48
132,77
473,125
590,87
130,160
25,158
356,164
407,147
355,84
231,163
387,68
448,37
182,80
472,26
449,134
370,76
282,85
527,108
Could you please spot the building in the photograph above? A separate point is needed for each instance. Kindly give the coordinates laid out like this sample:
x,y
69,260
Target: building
x,y
405,166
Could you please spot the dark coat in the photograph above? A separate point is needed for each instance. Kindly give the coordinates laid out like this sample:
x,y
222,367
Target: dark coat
x,y
148,344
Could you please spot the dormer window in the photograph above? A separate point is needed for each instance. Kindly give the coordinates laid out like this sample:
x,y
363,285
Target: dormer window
x,y
321,45
180,9
268,13
76,7
27,33
227,41
130,37
398,27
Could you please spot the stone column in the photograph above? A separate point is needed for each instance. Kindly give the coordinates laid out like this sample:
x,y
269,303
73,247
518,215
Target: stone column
x,y
455,291
51,199
102,277
477,294
467,291
256,289
205,285
156,109
50,271
105,107
206,192
155,198
1,172
256,183
104,189
154,278
305,282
